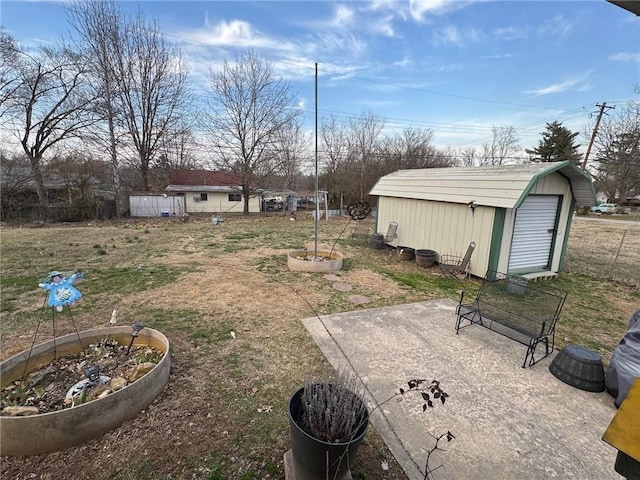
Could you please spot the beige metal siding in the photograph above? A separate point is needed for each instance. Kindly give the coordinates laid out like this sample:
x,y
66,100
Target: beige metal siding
x,y
218,202
447,228
502,186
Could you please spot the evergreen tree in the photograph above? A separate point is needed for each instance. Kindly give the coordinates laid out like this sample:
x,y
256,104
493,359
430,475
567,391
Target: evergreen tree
x,y
557,145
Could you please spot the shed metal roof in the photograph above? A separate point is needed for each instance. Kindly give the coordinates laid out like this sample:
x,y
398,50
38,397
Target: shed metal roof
x,y
503,186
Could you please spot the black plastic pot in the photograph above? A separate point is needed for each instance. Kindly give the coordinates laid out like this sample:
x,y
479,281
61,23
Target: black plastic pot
x,y
377,241
406,253
426,258
315,459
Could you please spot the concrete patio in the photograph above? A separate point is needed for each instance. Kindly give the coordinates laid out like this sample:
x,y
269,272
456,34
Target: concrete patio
x,y
509,422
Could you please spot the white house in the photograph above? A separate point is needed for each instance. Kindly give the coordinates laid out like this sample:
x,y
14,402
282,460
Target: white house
x,y
206,191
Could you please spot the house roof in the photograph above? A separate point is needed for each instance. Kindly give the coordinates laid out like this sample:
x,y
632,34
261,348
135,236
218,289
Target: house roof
x,y
204,178
203,181
632,6
503,186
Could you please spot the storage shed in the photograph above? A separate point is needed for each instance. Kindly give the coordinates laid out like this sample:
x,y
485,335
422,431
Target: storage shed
x,y
156,205
519,216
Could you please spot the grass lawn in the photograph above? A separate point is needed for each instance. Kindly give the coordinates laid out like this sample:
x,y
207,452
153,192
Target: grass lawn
x,y
231,309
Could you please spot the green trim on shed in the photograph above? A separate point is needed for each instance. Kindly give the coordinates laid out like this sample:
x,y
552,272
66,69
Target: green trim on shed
x,y
564,169
563,253
375,226
554,239
496,238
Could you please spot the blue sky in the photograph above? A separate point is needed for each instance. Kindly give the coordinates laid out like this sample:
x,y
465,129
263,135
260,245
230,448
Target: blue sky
x,y
455,67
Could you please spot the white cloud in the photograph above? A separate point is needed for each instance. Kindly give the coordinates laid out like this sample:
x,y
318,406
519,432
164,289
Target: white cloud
x,y
391,9
557,27
509,33
343,16
555,88
384,26
345,43
236,33
497,56
451,35
580,84
451,67
419,9
625,57
406,61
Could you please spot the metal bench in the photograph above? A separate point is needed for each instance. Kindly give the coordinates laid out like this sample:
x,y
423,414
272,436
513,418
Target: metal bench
x,y
524,311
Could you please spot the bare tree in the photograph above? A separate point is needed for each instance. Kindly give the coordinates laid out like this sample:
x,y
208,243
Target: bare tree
x,y
151,83
617,148
50,105
16,180
504,147
409,149
247,109
468,156
100,26
9,75
291,145
177,150
334,149
363,136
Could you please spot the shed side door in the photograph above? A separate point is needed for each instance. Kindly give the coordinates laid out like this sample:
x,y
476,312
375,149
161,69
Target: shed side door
x,y
533,233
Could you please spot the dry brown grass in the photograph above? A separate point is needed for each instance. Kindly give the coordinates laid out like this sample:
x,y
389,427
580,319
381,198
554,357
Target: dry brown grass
x,y
198,284
607,249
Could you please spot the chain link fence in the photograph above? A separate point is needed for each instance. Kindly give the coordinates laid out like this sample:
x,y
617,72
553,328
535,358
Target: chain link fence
x,y
605,249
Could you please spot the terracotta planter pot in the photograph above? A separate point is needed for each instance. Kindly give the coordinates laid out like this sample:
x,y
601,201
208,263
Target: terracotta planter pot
x,y
48,432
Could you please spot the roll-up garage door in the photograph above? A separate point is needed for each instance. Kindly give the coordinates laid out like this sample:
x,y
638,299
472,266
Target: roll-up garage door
x,y
533,233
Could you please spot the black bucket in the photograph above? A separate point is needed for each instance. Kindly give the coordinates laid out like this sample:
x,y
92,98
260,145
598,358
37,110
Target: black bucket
x,y
311,456
579,367
377,241
406,253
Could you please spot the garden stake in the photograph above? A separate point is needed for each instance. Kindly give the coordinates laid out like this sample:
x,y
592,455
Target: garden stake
x,y
135,331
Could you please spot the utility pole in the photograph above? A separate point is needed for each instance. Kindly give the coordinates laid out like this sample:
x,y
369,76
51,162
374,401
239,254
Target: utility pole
x,y
603,107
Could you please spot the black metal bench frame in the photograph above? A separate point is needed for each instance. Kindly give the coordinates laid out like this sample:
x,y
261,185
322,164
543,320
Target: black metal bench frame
x,y
522,310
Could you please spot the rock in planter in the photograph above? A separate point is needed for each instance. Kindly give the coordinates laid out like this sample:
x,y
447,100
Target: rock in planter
x,y
42,433
19,411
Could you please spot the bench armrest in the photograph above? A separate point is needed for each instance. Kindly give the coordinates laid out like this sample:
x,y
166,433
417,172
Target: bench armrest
x,y
463,294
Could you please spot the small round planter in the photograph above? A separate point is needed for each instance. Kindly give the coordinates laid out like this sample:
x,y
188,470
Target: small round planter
x,y
426,258
406,253
311,456
48,432
303,261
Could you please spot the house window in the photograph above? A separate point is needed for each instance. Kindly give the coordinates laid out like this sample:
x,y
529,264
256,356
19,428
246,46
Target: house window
x,y
204,197
235,197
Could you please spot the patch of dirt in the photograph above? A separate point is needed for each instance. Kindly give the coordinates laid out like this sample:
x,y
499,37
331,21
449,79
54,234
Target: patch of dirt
x,y
234,362
77,379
